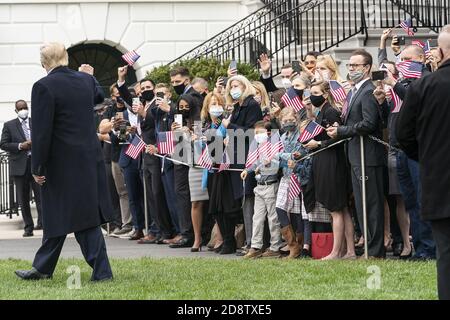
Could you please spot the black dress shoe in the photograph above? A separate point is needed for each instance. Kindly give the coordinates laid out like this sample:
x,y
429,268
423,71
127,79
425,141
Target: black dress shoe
x,y
32,274
397,249
227,250
28,234
38,227
183,243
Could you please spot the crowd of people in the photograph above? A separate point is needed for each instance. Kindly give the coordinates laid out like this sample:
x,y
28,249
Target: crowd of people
x,y
192,204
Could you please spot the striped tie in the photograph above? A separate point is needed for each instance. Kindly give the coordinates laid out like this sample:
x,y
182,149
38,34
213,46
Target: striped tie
x,y
27,133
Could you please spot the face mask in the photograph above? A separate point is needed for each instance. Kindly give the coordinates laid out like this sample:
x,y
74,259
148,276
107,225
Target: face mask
x,y
236,93
216,111
289,126
204,94
286,83
23,114
356,76
317,101
179,89
261,137
185,113
148,95
299,92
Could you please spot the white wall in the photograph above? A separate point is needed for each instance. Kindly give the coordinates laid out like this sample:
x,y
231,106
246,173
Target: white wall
x,y
159,30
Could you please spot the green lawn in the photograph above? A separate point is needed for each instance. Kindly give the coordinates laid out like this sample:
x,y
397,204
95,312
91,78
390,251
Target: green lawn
x,y
203,278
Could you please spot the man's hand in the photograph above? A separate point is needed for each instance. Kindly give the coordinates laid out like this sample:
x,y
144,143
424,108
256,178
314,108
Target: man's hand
x,y
132,130
163,105
244,174
313,144
122,73
265,63
379,94
332,131
390,80
151,149
40,180
25,145
386,33
86,68
139,109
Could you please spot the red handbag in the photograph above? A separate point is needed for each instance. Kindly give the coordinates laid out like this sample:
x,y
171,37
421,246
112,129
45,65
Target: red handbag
x,y
321,244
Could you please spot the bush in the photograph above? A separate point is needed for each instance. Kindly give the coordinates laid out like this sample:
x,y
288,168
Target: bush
x,y
209,69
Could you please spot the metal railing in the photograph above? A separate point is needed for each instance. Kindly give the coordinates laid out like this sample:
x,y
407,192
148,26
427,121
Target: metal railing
x,y
288,29
8,198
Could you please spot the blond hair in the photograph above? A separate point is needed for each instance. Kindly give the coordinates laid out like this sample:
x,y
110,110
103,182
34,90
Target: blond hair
x,y
265,100
204,114
330,64
54,54
248,91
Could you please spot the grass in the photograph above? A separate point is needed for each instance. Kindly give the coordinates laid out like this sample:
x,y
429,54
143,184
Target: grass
x,y
200,278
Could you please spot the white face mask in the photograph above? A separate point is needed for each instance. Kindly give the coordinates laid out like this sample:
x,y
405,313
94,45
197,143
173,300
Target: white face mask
x,y
261,137
286,83
215,111
23,114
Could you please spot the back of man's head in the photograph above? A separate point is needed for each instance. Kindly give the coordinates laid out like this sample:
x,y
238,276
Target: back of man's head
x,y
53,54
444,41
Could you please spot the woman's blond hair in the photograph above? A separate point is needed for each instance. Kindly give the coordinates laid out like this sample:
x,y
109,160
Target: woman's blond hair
x,y
204,115
248,91
265,100
331,64
54,54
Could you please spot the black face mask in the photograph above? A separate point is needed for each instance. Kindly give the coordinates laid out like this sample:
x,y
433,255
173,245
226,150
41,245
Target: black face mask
x,y
185,113
179,89
147,95
299,92
317,101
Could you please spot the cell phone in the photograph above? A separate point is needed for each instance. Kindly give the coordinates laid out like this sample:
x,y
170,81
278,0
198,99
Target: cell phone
x,y
136,101
401,41
306,93
296,66
119,115
378,75
160,95
233,65
179,119
432,43
224,80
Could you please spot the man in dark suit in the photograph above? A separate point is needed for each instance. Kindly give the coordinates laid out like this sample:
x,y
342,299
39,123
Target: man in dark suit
x,y
68,163
422,136
16,139
362,118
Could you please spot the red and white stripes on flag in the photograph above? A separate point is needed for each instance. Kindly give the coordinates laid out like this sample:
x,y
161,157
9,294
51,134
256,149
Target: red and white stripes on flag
x,y
407,26
276,145
166,145
291,99
418,43
396,100
135,148
294,187
337,91
410,69
225,165
131,57
310,131
252,155
205,160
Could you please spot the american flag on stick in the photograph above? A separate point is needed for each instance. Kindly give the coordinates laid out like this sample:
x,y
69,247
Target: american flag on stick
x,y
294,187
426,49
205,160
310,131
253,154
276,145
131,57
135,148
225,165
337,91
397,101
410,69
166,144
407,26
291,99
418,43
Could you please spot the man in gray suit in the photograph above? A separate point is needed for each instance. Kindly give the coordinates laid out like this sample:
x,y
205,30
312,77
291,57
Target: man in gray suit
x,y
362,117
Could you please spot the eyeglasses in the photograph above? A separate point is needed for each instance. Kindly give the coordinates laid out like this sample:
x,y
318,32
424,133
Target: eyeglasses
x,y
309,62
355,65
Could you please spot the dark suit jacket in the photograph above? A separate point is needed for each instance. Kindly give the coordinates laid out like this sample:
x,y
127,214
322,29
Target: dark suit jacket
x,y
12,136
363,119
66,150
421,133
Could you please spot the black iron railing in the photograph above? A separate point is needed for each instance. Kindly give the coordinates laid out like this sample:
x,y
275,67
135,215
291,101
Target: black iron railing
x,y
8,199
288,29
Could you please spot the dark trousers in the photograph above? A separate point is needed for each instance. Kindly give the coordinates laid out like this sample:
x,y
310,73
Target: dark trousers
x,y
115,200
92,246
23,184
374,205
441,233
169,191
135,191
181,181
156,199
409,180
227,227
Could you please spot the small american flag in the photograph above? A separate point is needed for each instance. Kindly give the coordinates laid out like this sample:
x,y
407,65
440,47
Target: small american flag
x,y
253,154
135,148
337,91
205,160
131,57
410,69
397,101
166,144
294,187
418,43
291,99
407,25
276,145
225,165
311,130
346,104
426,49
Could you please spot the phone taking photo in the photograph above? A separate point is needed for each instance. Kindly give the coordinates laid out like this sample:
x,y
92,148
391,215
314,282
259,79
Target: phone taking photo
x,y
233,65
432,43
178,118
296,66
379,75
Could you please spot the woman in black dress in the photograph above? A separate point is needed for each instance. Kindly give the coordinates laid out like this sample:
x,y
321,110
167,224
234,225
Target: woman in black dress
x,y
330,172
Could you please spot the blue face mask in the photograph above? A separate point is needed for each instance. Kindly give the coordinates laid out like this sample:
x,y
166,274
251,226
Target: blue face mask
x,y
236,93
